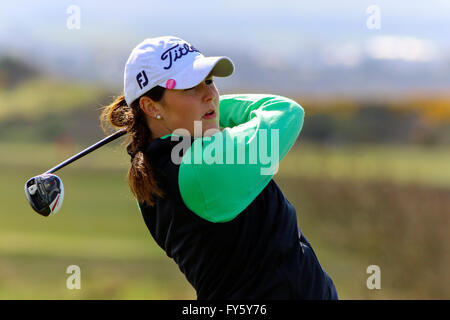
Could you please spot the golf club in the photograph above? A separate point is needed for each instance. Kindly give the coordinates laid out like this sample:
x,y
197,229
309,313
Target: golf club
x,y
45,192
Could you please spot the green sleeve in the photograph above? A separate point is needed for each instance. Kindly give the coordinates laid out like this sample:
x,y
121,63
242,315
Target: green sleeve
x,y
221,175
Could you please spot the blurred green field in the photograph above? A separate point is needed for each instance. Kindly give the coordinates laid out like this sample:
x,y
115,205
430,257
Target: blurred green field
x,y
358,206
27,100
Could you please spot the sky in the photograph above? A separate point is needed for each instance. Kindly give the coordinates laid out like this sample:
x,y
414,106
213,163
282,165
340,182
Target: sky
x,y
277,33
230,22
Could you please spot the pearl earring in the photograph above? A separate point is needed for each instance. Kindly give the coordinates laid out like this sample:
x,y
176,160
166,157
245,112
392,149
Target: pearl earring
x,y
158,117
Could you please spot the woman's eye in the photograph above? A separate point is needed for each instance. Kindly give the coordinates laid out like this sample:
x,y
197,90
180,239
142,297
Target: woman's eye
x,y
207,81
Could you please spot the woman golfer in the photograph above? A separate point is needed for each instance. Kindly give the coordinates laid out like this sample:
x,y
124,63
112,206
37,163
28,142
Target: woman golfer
x,y
201,170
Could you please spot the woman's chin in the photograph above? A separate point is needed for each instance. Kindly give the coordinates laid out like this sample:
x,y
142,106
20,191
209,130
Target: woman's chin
x,y
210,128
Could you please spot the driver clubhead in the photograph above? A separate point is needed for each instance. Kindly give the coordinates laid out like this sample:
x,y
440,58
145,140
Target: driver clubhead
x,y
45,193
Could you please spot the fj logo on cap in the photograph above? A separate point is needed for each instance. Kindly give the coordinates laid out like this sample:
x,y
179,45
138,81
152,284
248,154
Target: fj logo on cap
x,y
142,82
177,53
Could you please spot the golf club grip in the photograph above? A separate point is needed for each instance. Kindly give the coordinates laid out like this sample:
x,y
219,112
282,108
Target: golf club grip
x,y
88,150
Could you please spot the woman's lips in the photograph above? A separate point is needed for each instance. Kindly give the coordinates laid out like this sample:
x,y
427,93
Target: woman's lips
x,y
209,116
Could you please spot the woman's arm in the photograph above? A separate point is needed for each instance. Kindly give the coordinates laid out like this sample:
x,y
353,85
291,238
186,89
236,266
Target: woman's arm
x,y
221,175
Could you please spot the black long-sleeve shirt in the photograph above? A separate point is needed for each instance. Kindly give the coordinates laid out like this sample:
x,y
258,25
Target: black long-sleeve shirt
x,y
237,241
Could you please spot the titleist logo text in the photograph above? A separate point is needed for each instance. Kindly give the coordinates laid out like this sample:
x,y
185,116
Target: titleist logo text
x,y
176,52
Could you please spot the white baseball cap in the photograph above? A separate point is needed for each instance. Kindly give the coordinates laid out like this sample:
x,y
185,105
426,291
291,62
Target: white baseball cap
x,y
169,62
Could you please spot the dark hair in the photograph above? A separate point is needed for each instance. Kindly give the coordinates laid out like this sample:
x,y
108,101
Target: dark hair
x,y
140,175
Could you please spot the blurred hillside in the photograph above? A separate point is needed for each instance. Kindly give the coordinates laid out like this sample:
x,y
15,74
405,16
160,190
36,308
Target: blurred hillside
x,y
37,107
13,72
404,120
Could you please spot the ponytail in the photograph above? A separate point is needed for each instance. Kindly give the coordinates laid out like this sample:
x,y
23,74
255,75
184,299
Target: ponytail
x,y
140,175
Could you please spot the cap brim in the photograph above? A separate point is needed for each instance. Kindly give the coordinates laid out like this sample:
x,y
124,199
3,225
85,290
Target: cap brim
x,y
193,74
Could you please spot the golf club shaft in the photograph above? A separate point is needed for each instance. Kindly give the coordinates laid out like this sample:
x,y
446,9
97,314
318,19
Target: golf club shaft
x,y
88,150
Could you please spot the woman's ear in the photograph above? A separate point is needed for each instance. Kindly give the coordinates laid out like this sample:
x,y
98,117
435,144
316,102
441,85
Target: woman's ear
x,y
149,107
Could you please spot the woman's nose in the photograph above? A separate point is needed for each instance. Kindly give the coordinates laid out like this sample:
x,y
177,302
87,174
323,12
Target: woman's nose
x,y
208,92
